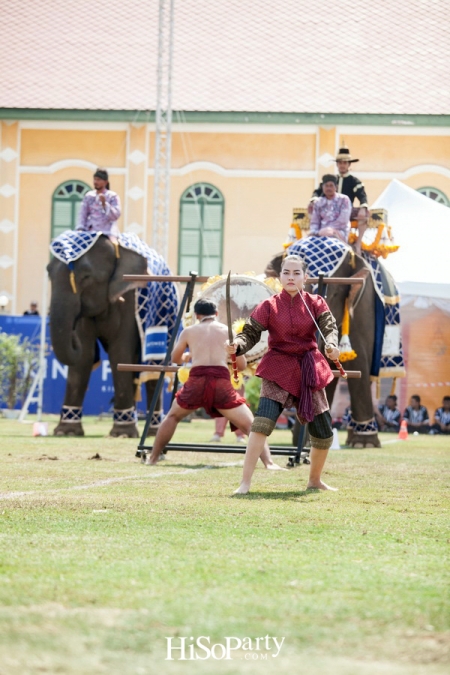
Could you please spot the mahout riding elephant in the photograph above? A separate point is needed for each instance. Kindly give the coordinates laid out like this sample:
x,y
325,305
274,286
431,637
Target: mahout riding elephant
x,y
361,303
91,301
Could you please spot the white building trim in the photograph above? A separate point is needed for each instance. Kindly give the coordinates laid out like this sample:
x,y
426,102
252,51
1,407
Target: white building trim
x,y
15,274
229,128
67,164
127,180
236,173
178,127
412,171
59,125
391,130
145,206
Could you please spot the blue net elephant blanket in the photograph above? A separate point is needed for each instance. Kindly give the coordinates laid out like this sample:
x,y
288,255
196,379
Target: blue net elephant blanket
x,y
326,254
156,304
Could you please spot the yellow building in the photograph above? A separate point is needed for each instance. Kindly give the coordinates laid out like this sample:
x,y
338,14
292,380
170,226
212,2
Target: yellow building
x,y
249,177
259,116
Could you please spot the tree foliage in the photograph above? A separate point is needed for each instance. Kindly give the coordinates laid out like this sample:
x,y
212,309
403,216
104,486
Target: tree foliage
x,y
252,392
18,363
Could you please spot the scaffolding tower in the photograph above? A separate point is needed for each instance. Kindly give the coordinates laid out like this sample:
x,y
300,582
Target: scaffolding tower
x,y
163,143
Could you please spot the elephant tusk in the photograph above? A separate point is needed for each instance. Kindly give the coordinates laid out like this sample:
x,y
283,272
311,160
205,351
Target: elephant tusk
x,y
72,282
121,299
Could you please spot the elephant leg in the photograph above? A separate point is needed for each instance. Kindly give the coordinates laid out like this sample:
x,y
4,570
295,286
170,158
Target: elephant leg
x,y
123,349
362,431
77,382
331,390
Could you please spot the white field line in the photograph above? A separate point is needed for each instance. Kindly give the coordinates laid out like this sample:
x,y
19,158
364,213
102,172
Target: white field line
x,y
394,440
110,481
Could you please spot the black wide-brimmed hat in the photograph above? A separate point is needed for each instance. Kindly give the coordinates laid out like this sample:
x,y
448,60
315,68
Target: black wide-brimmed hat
x,y
344,154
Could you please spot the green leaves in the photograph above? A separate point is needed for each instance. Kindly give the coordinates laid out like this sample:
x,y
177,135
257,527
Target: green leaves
x,y
18,363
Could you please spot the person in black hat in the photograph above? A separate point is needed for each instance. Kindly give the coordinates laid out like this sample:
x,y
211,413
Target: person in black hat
x,y
347,183
101,207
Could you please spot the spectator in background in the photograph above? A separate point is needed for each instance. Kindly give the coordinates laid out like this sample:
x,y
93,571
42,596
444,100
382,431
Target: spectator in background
x,y
346,417
347,183
388,415
100,208
33,311
417,416
331,212
442,418
220,424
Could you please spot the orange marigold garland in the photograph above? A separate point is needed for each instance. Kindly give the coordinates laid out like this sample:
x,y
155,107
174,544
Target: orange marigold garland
x,y
346,352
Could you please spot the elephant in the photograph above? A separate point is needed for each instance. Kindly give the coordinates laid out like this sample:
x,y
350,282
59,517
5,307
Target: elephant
x,y
362,307
97,304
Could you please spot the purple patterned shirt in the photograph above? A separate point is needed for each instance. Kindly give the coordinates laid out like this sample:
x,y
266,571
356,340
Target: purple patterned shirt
x,y
94,218
333,213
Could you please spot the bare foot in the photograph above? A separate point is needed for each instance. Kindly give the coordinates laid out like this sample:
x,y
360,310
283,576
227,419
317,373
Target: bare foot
x,y
243,489
320,485
274,467
151,461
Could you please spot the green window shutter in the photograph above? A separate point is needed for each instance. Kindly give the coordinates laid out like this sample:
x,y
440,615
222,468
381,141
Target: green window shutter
x,y
435,194
201,230
192,218
213,216
66,204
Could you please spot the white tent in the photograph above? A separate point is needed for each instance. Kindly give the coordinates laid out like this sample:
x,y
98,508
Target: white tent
x,y
421,228
421,268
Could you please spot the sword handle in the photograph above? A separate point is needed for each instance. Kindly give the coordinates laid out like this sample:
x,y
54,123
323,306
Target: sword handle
x,y
338,365
235,370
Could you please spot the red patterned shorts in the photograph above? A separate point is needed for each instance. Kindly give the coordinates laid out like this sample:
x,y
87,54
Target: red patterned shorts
x,y
209,387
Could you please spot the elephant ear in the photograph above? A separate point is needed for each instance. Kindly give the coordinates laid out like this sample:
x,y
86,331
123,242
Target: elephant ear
x,y
128,263
273,268
356,290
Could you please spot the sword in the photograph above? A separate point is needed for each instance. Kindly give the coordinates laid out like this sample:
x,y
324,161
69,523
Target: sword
x,y
337,363
230,328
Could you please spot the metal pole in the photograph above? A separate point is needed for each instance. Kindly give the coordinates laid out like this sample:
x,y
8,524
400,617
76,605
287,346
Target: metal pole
x,y
38,382
163,141
42,346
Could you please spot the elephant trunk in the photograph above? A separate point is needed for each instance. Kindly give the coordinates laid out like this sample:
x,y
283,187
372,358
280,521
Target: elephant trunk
x,y
64,309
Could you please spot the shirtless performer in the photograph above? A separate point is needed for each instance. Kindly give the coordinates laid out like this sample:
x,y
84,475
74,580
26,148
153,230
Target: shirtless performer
x,y
209,383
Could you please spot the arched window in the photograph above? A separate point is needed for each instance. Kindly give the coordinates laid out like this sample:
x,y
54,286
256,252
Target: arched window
x,y
434,194
66,204
201,230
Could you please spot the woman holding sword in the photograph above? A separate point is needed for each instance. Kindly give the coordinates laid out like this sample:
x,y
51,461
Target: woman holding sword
x,y
293,371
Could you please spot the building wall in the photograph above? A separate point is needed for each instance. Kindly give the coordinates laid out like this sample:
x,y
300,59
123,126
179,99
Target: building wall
x,y
263,172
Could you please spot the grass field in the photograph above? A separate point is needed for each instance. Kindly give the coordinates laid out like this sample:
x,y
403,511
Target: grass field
x,y
102,560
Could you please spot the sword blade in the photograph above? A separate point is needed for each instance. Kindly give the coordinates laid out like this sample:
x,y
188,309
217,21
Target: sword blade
x,y
310,314
230,327
228,305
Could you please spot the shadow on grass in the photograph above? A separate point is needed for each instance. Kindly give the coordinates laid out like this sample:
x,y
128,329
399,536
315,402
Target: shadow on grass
x,y
193,466
289,495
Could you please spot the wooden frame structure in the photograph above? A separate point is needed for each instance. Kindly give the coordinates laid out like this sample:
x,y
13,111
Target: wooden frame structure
x,y
294,454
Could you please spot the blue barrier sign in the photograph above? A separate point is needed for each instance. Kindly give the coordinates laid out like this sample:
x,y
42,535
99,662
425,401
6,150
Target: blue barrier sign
x,y
100,391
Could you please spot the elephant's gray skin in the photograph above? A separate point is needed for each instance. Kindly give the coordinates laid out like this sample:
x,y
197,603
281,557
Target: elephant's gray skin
x,y
362,330
102,308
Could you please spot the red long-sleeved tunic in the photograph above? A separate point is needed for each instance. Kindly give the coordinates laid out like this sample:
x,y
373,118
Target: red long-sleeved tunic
x,y
292,344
